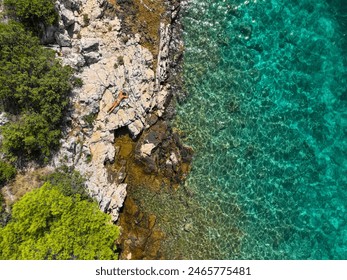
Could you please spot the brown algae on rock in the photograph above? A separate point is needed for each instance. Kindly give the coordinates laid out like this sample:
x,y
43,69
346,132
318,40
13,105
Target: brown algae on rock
x,y
156,171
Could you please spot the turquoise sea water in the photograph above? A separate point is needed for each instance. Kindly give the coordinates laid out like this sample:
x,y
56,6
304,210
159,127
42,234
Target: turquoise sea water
x,y
266,113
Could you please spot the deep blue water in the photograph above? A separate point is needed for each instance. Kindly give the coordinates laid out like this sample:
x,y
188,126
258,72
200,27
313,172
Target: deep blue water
x,y
266,113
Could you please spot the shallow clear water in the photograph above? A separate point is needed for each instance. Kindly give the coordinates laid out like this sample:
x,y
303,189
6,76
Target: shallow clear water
x,y
267,116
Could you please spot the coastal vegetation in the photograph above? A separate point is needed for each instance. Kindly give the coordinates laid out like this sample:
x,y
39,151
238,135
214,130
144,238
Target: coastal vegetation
x,y
68,182
57,221
46,224
34,93
32,13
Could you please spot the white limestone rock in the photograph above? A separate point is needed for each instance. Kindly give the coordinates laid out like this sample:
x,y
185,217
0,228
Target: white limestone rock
x,y
63,40
75,60
146,149
89,44
92,57
135,128
163,56
3,119
71,4
67,16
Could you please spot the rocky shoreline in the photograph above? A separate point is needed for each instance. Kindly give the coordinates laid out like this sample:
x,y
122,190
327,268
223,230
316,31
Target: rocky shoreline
x,y
110,59
123,46
126,55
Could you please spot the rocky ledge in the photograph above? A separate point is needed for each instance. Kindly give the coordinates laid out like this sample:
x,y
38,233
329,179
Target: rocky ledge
x,y
110,60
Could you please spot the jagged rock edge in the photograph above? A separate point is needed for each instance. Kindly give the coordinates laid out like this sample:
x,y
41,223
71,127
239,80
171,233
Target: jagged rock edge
x,y
93,50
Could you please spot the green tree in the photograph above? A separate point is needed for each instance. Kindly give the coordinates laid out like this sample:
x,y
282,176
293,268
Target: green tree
x,y
35,87
46,224
31,135
32,79
32,12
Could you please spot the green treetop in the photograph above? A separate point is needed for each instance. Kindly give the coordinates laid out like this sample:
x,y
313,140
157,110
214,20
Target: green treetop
x,y
46,224
32,79
34,88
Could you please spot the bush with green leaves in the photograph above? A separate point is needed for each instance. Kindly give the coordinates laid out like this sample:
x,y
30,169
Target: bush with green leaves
x,y
32,135
32,12
34,88
31,79
70,183
7,172
46,224
77,82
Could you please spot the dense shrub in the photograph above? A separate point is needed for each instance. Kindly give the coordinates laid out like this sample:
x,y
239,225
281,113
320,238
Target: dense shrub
x,y
35,87
7,172
89,119
46,224
86,19
31,78
77,82
32,135
32,12
69,183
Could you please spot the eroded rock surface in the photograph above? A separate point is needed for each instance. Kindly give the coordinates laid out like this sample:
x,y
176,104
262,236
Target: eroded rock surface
x,y
108,61
160,151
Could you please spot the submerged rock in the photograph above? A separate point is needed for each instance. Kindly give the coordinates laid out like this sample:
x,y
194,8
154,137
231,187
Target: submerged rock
x,y
188,227
142,240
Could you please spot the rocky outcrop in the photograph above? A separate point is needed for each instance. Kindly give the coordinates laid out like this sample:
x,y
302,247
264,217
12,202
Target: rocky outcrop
x,y
108,61
160,151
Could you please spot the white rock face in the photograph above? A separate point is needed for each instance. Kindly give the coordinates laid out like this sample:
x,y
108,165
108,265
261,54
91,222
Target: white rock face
x,y
107,65
63,39
89,44
67,16
71,4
